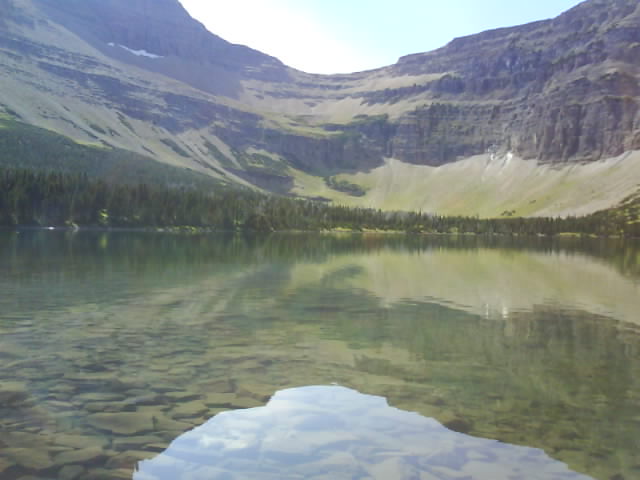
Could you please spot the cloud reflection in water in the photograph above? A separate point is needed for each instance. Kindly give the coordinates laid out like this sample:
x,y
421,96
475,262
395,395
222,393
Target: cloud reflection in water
x,y
332,432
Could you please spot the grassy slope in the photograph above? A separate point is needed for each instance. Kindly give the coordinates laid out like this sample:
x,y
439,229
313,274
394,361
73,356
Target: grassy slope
x,y
489,186
26,146
479,185
628,211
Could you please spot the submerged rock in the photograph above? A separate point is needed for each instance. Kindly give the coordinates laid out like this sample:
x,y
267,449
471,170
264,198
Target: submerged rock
x,y
29,458
220,399
178,396
25,440
80,441
99,397
258,391
108,407
5,463
189,410
135,443
124,423
129,459
70,472
108,474
32,477
147,399
217,386
246,402
13,394
127,383
85,455
171,427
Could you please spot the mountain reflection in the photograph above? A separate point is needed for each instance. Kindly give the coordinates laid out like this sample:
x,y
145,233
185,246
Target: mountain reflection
x,y
332,432
116,344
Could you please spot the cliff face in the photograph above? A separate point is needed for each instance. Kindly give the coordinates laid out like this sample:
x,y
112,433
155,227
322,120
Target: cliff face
x,y
560,91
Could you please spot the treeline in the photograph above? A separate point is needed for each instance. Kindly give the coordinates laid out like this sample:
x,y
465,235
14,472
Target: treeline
x,y
33,198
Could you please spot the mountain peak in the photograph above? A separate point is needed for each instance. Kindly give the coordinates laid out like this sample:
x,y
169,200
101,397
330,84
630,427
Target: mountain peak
x,y
162,28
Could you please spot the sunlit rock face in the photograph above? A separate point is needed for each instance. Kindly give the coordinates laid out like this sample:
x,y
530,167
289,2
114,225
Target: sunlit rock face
x,y
332,432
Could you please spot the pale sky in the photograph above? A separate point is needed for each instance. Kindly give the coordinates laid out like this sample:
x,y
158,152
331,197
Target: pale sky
x,y
344,36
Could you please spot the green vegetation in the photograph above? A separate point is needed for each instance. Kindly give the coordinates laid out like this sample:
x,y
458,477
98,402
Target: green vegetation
x,y
260,163
25,146
345,186
56,199
362,119
626,216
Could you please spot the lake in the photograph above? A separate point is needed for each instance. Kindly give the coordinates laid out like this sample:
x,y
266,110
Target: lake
x,y
152,356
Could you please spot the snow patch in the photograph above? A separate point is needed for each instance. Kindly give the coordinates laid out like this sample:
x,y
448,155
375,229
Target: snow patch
x,y
509,158
138,53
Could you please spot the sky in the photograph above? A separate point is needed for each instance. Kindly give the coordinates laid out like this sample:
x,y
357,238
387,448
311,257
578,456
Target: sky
x,y
344,36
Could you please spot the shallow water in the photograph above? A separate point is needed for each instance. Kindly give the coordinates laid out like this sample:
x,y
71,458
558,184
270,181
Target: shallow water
x,y
330,356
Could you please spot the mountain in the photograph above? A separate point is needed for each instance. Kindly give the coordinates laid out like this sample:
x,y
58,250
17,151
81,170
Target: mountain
x,y
539,119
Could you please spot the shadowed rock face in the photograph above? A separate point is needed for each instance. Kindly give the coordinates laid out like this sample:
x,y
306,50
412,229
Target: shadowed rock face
x,y
560,91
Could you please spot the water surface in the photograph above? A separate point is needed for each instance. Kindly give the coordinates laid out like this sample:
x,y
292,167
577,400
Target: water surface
x,y
491,356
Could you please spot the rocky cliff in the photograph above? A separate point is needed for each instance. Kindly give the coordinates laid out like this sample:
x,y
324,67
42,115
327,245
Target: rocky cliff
x,y
143,75
559,90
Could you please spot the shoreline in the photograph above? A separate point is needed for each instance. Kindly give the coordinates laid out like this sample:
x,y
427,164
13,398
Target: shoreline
x,y
340,230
